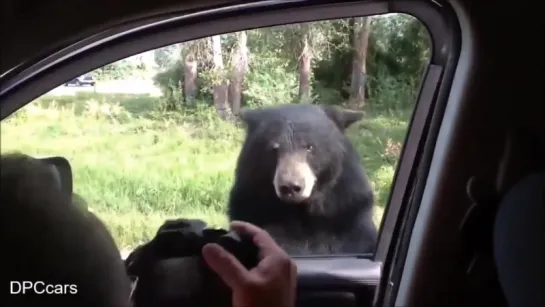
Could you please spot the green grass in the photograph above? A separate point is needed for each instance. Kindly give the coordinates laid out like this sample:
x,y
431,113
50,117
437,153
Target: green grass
x,y
137,167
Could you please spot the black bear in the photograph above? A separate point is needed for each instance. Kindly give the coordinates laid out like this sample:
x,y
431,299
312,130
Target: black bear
x,y
299,177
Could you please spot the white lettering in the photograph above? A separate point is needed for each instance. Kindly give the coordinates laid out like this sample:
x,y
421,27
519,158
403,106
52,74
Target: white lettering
x,y
16,285
41,288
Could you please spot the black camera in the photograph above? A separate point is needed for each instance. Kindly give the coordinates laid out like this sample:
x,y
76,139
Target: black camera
x,y
170,271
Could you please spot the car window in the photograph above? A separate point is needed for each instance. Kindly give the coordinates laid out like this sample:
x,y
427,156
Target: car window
x,y
171,133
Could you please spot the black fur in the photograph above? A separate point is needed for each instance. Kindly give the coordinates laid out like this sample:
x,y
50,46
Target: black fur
x,y
45,237
338,216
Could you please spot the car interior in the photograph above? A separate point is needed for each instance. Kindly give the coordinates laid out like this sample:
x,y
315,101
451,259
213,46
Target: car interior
x,y
463,225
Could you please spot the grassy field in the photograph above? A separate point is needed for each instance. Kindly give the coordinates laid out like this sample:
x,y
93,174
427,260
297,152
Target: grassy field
x,y
137,167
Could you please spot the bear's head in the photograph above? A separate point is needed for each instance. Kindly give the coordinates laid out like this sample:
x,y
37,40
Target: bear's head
x,y
297,149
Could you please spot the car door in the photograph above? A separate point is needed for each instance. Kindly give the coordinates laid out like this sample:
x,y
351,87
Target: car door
x,y
324,280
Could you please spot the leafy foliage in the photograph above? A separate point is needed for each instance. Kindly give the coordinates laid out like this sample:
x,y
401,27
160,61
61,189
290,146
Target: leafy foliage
x,y
397,54
118,70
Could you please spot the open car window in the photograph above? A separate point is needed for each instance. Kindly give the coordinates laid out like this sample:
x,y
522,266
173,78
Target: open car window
x,y
159,133
156,136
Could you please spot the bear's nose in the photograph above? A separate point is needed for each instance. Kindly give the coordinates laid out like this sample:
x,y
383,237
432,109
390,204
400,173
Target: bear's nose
x,y
290,189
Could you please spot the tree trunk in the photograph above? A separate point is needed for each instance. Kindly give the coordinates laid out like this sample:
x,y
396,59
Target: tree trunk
x,y
352,29
359,67
305,59
190,74
220,85
239,64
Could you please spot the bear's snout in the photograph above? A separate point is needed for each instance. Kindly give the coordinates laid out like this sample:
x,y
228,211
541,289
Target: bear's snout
x,y
294,179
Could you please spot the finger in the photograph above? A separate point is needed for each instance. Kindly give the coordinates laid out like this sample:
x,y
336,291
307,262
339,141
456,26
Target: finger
x,y
268,266
275,265
230,270
261,238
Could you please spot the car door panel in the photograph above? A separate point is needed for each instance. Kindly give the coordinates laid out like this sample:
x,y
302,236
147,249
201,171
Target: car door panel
x,y
338,281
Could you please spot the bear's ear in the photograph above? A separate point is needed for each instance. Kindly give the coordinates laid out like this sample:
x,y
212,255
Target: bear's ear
x,y
343,118
250,117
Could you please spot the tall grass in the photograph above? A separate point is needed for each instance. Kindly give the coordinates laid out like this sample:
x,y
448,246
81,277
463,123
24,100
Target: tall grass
x,y
136,166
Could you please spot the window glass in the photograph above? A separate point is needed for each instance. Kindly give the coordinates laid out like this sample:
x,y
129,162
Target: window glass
x,y
158,135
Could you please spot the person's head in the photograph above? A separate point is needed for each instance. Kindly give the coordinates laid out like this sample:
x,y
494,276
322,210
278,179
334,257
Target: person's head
x,y
53,251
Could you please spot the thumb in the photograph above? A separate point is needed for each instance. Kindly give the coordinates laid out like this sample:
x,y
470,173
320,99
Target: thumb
x,y
230,270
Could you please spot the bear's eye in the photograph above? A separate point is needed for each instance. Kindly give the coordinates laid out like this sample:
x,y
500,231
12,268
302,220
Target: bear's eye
x,y
275,146
310,148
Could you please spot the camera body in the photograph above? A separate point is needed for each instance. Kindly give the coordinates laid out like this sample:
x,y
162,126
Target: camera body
x,y
170,271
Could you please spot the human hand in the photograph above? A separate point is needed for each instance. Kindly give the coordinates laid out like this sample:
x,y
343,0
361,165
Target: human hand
x,y
271,283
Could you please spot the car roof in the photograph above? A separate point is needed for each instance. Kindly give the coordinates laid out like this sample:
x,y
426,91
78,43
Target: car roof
x,y
32,34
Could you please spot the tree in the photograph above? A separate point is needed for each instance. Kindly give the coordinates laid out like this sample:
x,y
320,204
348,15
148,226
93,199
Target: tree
x,y
354,61
190,71
166,57
239,65
305,59
219,83
362,30
310,40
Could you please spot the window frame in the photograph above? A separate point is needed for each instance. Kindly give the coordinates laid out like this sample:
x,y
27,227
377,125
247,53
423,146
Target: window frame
x,y
28,81
444,29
